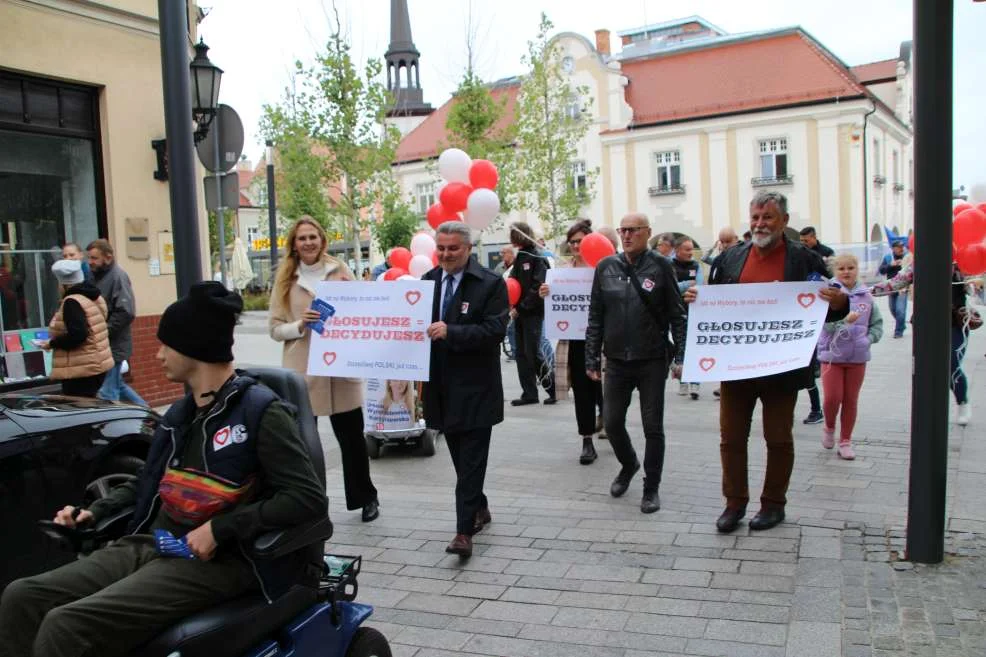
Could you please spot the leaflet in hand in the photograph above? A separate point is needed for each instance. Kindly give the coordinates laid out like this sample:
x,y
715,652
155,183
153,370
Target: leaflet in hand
x,y
169,546
325,310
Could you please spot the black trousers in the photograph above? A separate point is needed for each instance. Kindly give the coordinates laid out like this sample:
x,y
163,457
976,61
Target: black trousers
x,y
348,428
531,367
647,376
86,386
588,393
470,451
112,601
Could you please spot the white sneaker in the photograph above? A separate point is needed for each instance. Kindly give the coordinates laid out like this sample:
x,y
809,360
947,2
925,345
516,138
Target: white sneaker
x,y
683,389
965,414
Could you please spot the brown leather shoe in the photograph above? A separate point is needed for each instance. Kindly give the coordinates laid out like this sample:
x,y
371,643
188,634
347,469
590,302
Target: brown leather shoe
x,y
460,545
483,518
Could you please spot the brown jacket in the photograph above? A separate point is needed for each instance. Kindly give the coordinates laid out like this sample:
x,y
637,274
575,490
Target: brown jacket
x,y
328,395
91,357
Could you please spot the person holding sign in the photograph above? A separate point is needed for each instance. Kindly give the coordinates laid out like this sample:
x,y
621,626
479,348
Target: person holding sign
x,y
570,360
635,299
844,349
293,313
689,274
464,396
768,257
529,270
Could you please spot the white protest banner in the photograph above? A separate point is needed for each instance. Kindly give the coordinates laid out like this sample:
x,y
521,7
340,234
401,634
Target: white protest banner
x,y
388,405
751,330
373,330
566,308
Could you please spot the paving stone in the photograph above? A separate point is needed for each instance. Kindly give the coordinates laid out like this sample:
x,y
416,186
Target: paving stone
x,y
812,603
472,590
712,565
666,625
663,605
746,632
591,600
437,604
514,611
434,638
593,619
744,612
537,596
752,582
712,648
607,574
484,626
677,577
811,639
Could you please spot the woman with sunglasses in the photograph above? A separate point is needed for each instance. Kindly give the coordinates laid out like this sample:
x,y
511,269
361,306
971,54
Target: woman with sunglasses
x,y
570,367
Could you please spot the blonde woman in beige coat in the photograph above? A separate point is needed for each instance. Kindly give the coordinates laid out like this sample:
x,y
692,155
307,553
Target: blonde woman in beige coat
x,y
306,265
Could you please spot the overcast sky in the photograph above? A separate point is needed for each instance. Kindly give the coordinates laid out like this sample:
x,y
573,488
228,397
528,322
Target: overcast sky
x,y
257,41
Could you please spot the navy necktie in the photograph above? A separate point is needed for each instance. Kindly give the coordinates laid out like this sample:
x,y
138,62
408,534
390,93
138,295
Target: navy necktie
x,y
447,297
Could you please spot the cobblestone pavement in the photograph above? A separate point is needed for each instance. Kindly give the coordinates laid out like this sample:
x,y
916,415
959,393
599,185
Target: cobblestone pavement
x,y
565,569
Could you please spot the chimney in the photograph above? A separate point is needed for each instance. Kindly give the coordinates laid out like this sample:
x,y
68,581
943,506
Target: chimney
x,y
602,42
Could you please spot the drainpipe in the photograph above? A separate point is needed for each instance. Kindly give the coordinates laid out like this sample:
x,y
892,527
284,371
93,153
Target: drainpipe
x,y
866,181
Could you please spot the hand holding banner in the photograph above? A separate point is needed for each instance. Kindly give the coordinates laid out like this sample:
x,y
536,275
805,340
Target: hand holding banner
x,y
751,330
376,331
566,308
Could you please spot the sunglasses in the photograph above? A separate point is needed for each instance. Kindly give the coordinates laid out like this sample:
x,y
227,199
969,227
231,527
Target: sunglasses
x,y
630,230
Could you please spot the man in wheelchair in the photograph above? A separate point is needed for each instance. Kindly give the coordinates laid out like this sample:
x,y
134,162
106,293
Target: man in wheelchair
x,y
227,463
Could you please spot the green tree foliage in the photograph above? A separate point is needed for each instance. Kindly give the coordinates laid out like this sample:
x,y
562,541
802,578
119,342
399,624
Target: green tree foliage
x,y
335,117
399,224
552,118
229,217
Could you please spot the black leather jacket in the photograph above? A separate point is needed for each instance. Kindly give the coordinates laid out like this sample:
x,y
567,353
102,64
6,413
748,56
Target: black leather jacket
x,y
621,325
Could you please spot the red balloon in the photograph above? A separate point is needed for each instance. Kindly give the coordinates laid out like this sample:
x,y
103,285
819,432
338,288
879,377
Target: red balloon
x,y
981,207
972,259
969,227
394,273
594,248
961,207
483,174
399,258
454,196
513,291
438,214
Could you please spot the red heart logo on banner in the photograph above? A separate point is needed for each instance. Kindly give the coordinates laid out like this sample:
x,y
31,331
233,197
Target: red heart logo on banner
x,y
562,325
707,364
412,296
806,300
329,357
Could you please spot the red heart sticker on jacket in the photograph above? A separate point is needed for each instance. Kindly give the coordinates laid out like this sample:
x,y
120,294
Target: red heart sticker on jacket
x,y
329,357
562,325
412,296
707,364
806,299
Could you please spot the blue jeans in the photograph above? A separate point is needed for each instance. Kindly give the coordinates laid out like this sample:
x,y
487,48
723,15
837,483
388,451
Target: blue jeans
x,y
114,388
898,308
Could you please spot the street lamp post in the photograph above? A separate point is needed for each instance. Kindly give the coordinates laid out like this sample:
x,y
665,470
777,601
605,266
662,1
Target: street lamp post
x,y
271,208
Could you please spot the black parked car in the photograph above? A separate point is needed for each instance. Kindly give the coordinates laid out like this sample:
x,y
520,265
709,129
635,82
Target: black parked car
x,y
55,451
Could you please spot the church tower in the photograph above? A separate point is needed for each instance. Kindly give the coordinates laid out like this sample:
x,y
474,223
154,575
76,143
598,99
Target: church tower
x,y
407,107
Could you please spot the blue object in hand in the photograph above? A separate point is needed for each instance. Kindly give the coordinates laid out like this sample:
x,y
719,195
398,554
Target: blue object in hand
x,y
169,546
326,310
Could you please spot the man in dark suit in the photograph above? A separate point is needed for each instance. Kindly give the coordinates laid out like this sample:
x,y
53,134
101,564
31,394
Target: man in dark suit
x,y
464,396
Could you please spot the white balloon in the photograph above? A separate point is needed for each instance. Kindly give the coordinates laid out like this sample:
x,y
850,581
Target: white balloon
x,y
482,208
423,244
407,277
453,165
420,265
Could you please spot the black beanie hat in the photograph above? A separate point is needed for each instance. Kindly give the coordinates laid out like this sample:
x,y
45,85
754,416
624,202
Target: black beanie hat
x,y
200,325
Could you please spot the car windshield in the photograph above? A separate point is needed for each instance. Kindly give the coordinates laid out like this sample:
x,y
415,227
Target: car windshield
x,y
49,403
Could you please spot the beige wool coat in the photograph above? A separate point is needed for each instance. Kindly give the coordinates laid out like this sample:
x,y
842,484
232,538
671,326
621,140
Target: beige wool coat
x,y
328,395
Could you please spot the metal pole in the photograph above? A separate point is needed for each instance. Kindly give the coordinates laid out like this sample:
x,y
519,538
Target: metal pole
x,y
932,279
220,210
271,209
181,149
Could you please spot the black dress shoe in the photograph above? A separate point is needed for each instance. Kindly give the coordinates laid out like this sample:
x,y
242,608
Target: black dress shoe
x,y
549,401
482,519
729,520
622,481
460,545
766,519
522,402
371,511
650,502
